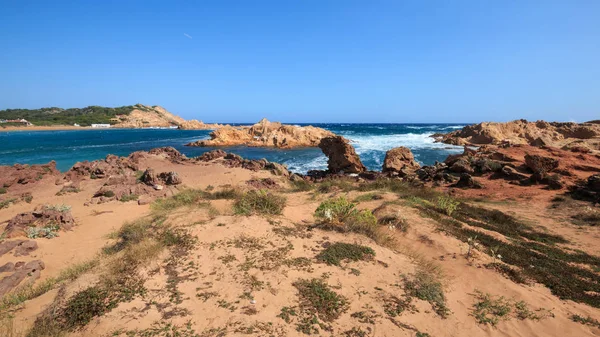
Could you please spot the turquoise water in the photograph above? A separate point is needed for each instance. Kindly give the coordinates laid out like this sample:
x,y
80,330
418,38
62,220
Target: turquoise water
x,y
68,147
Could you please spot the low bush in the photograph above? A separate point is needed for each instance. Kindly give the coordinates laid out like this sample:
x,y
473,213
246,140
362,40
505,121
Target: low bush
x,y
49,231
129,197
259,202
3,190
317,298
341,215
489,310
184,198
60,208
447,204
426,287
340,251
6,203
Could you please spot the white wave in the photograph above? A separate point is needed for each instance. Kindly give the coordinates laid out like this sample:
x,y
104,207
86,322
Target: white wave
x,y
387,142
303,166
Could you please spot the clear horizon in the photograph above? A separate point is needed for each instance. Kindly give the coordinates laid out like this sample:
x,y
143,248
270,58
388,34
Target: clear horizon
x,y
308,62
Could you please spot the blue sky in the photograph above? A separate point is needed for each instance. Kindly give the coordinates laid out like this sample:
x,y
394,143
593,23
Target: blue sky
x,y
309,60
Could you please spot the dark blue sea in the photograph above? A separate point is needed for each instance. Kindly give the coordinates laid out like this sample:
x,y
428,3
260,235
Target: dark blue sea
x,y
370,140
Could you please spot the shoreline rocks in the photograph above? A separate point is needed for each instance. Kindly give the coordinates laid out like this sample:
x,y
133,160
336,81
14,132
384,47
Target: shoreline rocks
x,y
266,134
341,155
540,133
400,161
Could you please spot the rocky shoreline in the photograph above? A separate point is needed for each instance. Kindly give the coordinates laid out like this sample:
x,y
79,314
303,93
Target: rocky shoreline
x,y
266,134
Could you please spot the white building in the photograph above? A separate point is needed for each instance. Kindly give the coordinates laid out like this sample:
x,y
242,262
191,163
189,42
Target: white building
x,y
101,125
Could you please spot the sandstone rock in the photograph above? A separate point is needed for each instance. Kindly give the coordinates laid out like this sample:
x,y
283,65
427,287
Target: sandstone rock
x,y
266,183
266,134
540,165
510,173
400,160
168,152
149,177
467,181
7,267
277,169
212,155
26,174
462,166
341,155
538,133
30,270
40,217
593,182
170,178
26,247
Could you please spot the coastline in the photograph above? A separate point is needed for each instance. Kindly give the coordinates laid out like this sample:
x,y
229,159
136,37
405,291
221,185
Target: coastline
x,y
46,128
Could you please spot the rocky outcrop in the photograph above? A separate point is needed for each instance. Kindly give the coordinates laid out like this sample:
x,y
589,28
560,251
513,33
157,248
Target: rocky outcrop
x,y
31,270
341,155
588,189
42,216
143,116
266,134
25,174
400,161
99,169
540,165
538,133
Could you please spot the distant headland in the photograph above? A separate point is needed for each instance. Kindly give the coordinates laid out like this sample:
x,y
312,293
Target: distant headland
x,y
130,116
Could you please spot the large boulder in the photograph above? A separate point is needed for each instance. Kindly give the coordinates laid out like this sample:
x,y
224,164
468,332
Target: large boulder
x,y
540,165
400,160
341,155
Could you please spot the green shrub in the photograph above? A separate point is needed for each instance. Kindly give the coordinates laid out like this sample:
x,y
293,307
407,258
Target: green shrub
x,y
49,231
129,197
6,203
341,214
336,211
585,320
317,298
426,287
301,185
3,190
447,204
108,194
488,310
340,251
184,198
87,304
259,202
59,207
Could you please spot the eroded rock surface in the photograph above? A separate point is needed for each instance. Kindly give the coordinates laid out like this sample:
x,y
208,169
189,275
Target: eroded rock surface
x,y
540,133
341,155
400,160
266,134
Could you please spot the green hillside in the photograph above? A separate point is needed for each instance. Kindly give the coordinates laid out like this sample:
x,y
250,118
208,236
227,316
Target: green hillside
x,y
58,116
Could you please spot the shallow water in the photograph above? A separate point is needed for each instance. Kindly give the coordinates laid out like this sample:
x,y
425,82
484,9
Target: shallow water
x,y
68,147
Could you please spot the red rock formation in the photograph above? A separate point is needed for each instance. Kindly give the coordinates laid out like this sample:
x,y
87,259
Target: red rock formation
x,y
341,155
400,160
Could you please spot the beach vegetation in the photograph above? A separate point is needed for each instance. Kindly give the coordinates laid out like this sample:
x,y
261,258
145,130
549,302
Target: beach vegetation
x,y
259,202
342,215
426,286
337,252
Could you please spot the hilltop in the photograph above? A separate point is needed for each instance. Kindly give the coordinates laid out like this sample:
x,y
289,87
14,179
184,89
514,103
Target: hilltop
x,y
130,116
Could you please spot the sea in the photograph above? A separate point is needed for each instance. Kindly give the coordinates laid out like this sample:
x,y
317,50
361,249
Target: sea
x,y
371,141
